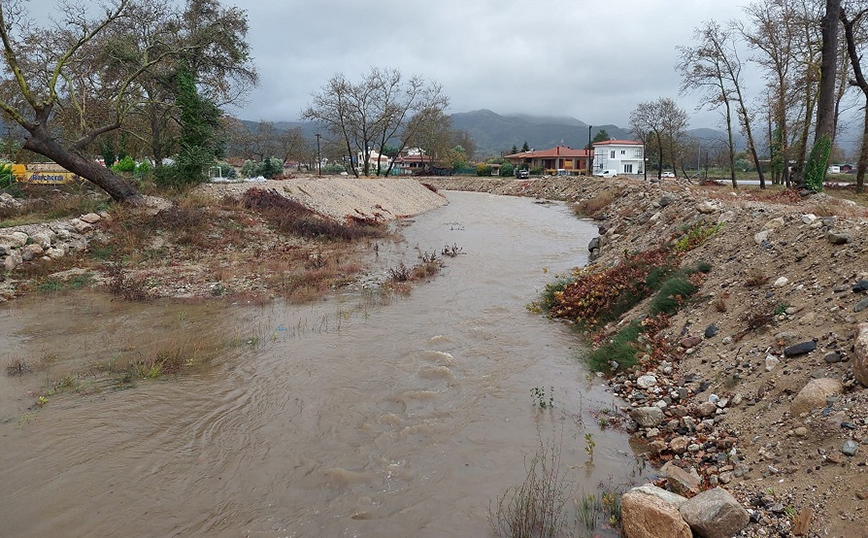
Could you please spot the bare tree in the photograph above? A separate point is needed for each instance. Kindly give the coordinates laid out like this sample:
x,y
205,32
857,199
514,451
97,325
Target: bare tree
x,y
774,35
377,109
661,124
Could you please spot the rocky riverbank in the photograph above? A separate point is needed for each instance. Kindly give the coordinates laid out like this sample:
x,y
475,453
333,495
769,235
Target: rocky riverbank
x,y
761,391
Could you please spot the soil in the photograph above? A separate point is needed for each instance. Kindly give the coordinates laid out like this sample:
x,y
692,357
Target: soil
x,y
791,284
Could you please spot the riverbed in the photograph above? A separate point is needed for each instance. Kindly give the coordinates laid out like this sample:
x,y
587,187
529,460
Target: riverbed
x,y
353,416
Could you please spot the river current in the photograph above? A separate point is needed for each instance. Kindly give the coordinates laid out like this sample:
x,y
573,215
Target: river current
x,y
348,417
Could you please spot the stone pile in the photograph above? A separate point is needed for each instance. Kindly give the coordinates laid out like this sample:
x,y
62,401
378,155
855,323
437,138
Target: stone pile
x,y
46,241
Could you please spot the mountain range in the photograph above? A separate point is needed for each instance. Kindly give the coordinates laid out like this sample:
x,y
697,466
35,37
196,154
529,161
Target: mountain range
x,y
496,134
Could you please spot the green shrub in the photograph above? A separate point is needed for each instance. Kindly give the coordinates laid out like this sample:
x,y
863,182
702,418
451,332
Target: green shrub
x,y
695,236
507,170
7,178
248,169
672,295
334,169
226,170
536,171
142,169
815,168
621,348
127,164
483,169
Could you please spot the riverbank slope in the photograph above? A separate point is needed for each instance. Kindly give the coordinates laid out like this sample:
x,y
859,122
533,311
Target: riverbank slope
x,y
757,383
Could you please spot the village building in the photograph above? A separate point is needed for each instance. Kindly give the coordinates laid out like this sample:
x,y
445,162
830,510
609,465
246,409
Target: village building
x,y
551,161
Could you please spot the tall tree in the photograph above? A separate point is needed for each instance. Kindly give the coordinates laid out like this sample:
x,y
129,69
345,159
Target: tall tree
x,y
815,170
853,27
703,68
42,78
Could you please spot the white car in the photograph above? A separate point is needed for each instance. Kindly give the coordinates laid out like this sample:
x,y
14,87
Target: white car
x,y
667,174
606,173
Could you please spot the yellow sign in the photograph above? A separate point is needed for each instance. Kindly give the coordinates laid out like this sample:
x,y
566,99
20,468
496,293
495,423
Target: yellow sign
x,y
39,177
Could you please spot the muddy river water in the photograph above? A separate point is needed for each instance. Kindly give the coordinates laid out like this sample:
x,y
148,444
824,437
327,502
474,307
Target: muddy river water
x,y
344,418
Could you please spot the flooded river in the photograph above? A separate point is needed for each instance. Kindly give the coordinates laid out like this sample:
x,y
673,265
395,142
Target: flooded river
x,y
344,418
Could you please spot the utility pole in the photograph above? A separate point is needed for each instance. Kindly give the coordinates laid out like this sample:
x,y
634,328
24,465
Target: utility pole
x,y
590,153
318,158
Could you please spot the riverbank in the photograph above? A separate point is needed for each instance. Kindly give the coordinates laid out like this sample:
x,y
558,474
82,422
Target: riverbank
x,y
752,382
211,242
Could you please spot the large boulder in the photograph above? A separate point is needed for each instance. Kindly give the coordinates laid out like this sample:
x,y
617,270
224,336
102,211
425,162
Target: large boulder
x,y
714,514
647,417
813,395
645,514
860,364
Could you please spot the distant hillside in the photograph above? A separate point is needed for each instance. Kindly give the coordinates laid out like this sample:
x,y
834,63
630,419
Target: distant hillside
x,y
495,134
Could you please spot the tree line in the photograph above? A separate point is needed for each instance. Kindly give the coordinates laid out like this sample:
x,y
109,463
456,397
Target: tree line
x,y
806,53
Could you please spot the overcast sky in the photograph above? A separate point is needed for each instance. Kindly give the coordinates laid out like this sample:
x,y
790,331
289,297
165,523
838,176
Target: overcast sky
x,y
593,60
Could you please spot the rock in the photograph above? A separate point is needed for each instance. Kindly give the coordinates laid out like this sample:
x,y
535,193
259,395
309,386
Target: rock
x,y
849,448
691,341
781,282
14,239
679,444
594,244
706,207
706,409
647,417
802,522
681,481
90,218
648,516
761,237
30,252
800,348
809,218
43,239
838,238
813,395
81,226
646,381
12,261
860,352
55,253
862,285
711,331
774,224
861,305
727,216
771,362
714,514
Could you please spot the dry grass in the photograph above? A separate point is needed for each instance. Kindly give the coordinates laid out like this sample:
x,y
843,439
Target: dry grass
x,y
594,207
755,276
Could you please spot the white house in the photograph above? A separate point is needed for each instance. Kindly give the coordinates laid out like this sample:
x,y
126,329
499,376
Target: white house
x,y
626,157
373,157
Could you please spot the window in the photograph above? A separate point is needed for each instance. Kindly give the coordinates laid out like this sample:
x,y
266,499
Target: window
x,y
612,156
623,152
628,168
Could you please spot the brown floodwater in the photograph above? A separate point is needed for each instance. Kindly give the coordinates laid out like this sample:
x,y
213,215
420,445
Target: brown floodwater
x,y
348,417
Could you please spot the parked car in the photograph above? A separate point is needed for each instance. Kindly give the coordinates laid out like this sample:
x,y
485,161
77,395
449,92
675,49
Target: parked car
x,y
667,174
606,173
522,173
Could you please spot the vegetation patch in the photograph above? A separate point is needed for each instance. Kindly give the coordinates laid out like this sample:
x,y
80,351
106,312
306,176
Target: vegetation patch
x,y
695,236
596,296
293,218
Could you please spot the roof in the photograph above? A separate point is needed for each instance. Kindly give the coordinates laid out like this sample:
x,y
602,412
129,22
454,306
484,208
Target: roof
x,y
618,143
557,151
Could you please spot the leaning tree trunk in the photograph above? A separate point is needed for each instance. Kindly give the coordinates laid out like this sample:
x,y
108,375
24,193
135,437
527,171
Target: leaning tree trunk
x,y
42,143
